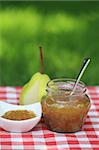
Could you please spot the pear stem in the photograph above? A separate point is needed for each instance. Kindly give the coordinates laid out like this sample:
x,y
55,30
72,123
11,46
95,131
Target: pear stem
x,y
41,61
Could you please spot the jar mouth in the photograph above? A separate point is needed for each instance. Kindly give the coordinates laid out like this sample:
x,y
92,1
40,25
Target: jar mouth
x,y
66,84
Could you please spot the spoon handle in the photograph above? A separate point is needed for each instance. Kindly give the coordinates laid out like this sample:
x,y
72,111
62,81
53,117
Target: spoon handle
x,y
84,66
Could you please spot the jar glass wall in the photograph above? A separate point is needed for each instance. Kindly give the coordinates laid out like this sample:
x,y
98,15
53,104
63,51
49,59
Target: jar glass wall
x,y
63,112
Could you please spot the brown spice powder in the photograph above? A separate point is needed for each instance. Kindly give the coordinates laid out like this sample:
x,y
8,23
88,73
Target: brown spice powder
x,y
19,115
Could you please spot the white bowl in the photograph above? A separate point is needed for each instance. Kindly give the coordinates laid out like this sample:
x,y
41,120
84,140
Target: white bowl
x,y
23,125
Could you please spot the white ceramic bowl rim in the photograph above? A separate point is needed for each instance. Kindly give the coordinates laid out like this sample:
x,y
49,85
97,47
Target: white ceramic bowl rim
x,y
20,121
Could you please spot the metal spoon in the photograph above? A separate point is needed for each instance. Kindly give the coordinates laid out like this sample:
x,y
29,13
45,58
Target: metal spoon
x,y
83,68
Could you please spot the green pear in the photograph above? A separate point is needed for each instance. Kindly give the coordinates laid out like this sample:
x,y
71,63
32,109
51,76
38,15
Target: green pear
x,y
34,90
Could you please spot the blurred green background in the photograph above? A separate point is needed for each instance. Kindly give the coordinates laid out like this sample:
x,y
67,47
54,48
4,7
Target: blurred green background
x,y
67,31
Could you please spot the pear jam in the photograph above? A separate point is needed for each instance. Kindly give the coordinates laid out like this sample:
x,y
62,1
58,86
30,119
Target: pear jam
x,y
63,112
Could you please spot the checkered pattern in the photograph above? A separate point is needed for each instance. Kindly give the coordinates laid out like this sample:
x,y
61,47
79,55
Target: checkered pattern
x,y
40,138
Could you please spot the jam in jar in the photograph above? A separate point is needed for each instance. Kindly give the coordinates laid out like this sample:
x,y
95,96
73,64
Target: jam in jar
x,y
63,112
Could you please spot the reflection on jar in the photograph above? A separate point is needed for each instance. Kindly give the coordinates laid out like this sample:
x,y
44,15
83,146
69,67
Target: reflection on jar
x,y
62,112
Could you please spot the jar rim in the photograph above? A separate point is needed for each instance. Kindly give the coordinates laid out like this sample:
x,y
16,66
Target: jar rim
x,y
68,81
65,79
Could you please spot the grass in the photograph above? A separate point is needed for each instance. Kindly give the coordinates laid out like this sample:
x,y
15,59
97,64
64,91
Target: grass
x,y
67,31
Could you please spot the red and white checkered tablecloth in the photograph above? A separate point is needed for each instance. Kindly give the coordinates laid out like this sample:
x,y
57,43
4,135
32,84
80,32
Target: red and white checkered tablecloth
x,y
40,138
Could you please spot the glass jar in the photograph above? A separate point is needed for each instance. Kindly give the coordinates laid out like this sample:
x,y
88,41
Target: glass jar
x,y
63,112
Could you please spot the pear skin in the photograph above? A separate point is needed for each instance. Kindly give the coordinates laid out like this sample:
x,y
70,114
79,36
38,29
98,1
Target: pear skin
x,y
34,90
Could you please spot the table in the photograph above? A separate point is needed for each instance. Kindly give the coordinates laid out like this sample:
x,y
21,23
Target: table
x,y
40,138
